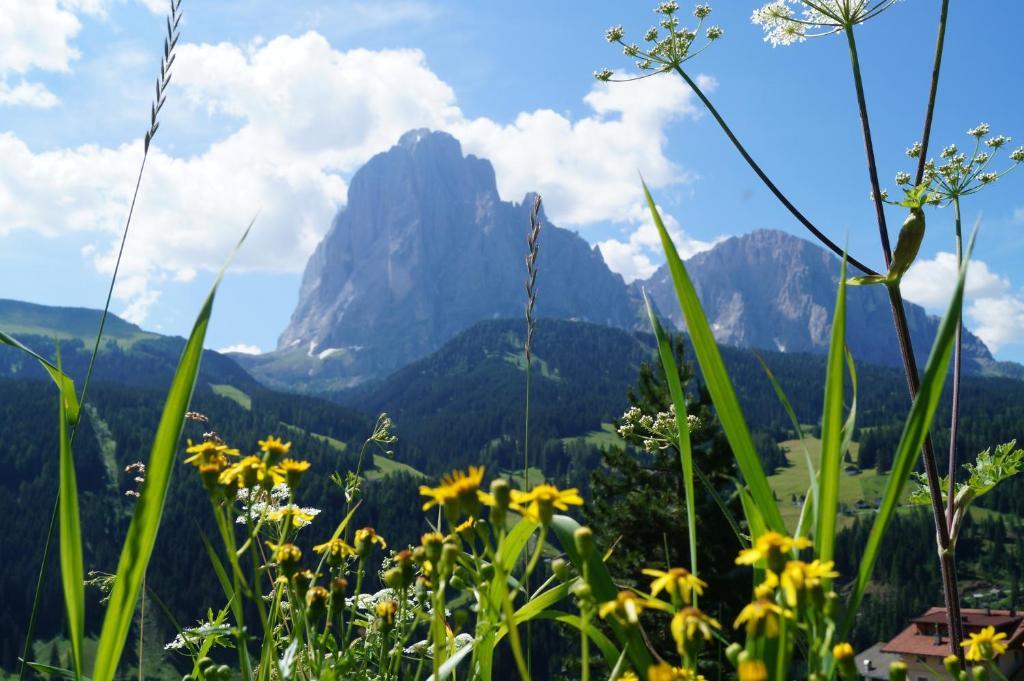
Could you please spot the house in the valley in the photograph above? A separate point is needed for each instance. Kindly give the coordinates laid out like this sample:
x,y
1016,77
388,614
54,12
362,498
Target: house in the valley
x,y
925,642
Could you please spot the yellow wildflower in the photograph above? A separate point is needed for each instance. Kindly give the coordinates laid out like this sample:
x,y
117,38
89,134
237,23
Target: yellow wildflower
x,y
539,504
799,576
456,488
766,589
252,471
753,670
690,627
386,611
663,671
288,556
985,645
627,607
293,471
761,617
679,582
274,448
209,452
298,517
464,529
772,547
365,539
629,676
335,549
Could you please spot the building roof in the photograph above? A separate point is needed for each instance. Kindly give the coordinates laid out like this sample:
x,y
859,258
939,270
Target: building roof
x,y
927,635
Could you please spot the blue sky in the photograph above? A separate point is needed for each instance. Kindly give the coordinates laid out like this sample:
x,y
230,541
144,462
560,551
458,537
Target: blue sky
x,y
274,105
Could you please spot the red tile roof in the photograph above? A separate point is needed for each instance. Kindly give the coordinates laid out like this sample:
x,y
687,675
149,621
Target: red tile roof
x,y
912,640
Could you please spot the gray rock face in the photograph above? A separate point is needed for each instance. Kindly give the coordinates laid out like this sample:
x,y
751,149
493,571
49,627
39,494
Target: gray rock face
x,y
424,249
772,290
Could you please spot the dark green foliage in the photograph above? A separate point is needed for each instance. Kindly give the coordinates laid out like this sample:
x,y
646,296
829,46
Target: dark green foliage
x,y
637,503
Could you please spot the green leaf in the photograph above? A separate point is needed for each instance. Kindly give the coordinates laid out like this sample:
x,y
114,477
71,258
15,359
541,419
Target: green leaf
x,y
915,430
668,363
138,545
603,588
63,383
831,463
72,571
56,671
869,280
811,498
722,393
604,644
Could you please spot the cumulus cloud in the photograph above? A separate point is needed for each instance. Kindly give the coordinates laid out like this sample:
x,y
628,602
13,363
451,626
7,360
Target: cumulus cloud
x,y
241,348
641,253
38,35
306,117
992,311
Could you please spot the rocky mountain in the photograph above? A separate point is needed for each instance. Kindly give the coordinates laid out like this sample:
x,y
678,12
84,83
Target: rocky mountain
x,y
775,291
423,249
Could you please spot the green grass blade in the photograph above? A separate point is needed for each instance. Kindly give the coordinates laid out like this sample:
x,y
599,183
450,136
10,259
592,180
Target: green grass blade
x,y
915,430
72,571
603,588
668,363
64,384
718,383
831,461
138,545
803,525
57,672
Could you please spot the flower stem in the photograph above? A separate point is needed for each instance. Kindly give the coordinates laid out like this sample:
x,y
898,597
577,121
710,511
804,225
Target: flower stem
x,y
932,92
946,562
766,180
954,424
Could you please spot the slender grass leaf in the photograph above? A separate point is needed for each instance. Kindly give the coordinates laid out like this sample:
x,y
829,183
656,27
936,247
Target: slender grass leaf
x,y
812,494
72,571
717,379
449,665
915,430
56,671
831,462
603,588
675,387
64,384
604,644
138,545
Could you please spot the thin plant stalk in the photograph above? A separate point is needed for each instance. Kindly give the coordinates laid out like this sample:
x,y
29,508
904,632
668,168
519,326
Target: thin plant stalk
x,y
933,90
954,424
533,241
818,234
951,596
162,82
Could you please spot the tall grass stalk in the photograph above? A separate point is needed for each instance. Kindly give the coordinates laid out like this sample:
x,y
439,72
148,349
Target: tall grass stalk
x,y
947,568
533,243
163,81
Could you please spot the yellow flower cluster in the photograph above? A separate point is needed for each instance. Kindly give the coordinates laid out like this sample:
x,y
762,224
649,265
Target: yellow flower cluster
x,y
266,470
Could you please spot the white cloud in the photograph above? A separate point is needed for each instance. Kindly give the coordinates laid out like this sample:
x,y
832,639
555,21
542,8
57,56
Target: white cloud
x,y
641,254
998,321
307,117
991,310
27,94
930,282
241,348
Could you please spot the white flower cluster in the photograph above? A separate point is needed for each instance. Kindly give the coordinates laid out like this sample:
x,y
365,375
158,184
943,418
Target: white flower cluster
x,y
782,26
424,648
959,174
194,636
257,503
655,432
663,51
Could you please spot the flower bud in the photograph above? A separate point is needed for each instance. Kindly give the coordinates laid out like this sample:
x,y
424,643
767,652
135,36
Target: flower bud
x,y
502,493
316,601
581,590
898,671
560,568
844,657
979,673
584,538
952,664
732,653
